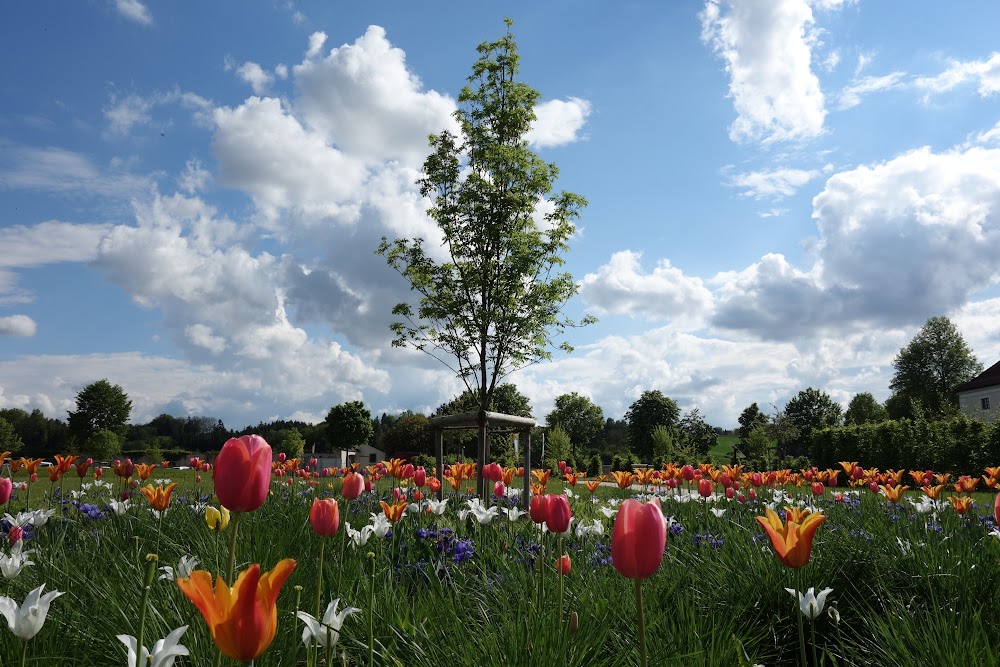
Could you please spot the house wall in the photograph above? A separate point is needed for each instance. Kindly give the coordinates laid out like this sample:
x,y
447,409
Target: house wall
x,y
970,403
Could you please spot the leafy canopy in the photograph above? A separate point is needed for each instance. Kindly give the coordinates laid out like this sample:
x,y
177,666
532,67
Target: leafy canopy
x,y
491,296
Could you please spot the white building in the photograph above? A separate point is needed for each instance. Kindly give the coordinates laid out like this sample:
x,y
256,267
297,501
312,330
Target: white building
x,y
980,397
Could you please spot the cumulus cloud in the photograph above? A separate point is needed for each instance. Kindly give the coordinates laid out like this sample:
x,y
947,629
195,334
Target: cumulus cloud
x,y
984,73
898,242
767,50
134,11
256,76
558,122
851,95
363,99
622,286
775,184
17,325
125,113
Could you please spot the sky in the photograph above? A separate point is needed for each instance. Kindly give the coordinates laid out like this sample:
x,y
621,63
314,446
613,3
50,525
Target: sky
x,y
781,193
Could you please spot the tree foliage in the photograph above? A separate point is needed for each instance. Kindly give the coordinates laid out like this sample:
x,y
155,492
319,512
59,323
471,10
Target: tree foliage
x,y
348,425
864,409
696,433
932,365
103,444
650,410
808,410
557,447
489,307
751,418
10,441
578,416
411,432
100,406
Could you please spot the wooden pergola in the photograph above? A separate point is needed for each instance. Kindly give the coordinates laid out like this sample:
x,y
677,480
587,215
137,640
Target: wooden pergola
x,y
485,423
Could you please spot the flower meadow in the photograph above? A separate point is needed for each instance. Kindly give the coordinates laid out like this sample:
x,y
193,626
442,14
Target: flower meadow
x,y
255,559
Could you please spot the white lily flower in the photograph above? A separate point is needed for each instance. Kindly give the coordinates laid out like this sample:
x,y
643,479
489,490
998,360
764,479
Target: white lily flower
x,y
380,525
569,492
40,517
11,566
25,621
359,538
810,604
183,570
583,529
514,513
164,650
437,507
463,515
327,632
483,515
608,512
717,511
76,495
119,506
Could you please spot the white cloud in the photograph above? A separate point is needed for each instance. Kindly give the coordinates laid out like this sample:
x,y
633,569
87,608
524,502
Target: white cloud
x,y
622,286
985,73
17,325
851,95
775,184
52,169
316,42
767,50
898,242
135,11
281,71
202,336
49,242
194,178
255,75
558,122
363,99
124,114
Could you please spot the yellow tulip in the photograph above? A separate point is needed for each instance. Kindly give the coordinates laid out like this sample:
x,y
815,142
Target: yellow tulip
x,y
792,541
215,519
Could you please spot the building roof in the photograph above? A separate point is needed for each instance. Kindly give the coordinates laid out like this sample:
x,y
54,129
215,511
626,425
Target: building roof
x,y
988,378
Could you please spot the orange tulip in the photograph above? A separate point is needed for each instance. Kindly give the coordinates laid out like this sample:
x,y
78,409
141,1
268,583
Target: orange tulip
x,y
54,473
508,476
15,464
571,478
623,479
541,476
962,504
65,462
433,484
393,512
894,493
3,457
564,564
395,467
144,470
244,618
593,485
848,467
792,541
455,482
159,497
31,465
933,492
537,490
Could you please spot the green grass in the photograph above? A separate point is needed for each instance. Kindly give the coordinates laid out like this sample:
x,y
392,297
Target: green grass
x,y
717,599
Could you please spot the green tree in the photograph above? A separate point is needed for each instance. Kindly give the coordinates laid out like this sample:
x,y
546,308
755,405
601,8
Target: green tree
x,y
103,444
494,304
579,417
650,410
751,418
759,450
864,409
10,441
810,409
557,447
348,425
289,441
411,432
930,367
100,406
663,446
696,433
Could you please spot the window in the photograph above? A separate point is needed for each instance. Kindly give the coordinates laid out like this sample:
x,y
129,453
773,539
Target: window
x,y
371,458
984,403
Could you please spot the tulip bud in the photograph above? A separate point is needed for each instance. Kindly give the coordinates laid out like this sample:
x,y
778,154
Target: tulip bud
x,y
15,534
574,622
324,516
753,494
567,470
564,564
725,480
873,487
24,486
313,462
562,466
639,538
33,477
741,498
6,487
197,479
281,457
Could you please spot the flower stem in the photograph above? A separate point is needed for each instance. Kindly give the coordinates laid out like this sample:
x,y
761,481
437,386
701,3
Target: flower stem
x,y
147,585
561,551
371,613
24,652
314,645
802,631
641,623
234,525
343,544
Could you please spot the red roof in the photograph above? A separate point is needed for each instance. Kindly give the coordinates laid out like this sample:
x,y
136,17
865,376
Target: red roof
x,y
988,378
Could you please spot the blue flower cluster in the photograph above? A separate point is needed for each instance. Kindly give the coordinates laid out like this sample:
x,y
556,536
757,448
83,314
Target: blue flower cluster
x,y
90,511
714,541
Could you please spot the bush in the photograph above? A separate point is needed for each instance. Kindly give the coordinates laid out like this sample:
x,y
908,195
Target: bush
x,y
595,468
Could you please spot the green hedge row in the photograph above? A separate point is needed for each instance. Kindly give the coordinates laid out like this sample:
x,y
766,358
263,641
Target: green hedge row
x,y
959,446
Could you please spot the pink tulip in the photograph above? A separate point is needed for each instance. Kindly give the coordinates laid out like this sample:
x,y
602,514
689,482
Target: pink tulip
x,y
639,538
242,473
6,487
354,484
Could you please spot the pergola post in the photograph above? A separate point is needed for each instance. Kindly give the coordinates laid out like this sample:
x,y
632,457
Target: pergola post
x,y
439,450
525,437
480,480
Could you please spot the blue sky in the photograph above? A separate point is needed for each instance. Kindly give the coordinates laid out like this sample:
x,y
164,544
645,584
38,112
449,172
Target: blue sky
x,y
781,193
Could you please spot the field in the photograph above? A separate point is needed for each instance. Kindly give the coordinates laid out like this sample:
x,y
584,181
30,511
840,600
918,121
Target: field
x,y
911,581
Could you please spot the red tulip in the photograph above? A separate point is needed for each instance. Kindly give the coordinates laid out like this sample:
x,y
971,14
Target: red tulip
x,y
242,473
730,492
818,488
704,488
408,471
558,514
420,476
687,472
368,485
562,466
6,486
324,515
282,457
564,564
354,484
539,509
498,490
639,538
996,511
